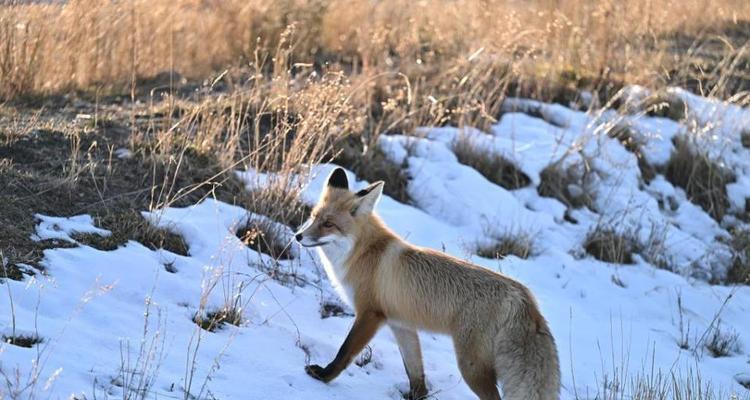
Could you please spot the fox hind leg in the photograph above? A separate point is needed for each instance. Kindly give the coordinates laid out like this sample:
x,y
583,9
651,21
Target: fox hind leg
x,y
411,353
478,372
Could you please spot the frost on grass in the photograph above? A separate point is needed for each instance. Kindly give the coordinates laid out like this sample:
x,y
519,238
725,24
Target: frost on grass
x,y
496,168
703,178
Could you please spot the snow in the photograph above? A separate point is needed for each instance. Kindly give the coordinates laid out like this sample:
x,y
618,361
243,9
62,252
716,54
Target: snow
x,y
103,314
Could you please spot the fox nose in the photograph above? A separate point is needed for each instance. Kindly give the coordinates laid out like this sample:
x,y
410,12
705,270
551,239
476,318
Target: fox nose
x,y
298,237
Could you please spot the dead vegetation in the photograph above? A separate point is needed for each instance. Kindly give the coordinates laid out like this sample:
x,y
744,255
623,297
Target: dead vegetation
x,y
130,225
607,243
512,242
216,319
570,184
701,176
370,164
266,237
624,133
745,138
54,46
739,270
496,168
723,342
27,341
665,105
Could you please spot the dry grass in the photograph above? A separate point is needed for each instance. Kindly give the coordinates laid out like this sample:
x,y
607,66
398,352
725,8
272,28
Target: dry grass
x,y
130,225
216,319
701,176
266,237
745,138
513,242
662,104
27,341
625,135
571,184
85,43
607,241
496,168
606,244
370,164
739,270
723,342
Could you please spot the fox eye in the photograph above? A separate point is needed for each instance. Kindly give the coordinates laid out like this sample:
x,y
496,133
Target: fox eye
x,y
328,224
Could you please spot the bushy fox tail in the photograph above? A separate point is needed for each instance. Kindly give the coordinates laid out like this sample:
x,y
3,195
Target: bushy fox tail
x,y
532,372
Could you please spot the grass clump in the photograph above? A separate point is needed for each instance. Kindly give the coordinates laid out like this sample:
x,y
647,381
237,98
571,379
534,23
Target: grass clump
x,y
369,163
629,139
496,168
606,244
665,105
516,243
739,270
745,138
333,309
216,319
703,178
27,341
131,225
570,185
723,343
618,246
267,237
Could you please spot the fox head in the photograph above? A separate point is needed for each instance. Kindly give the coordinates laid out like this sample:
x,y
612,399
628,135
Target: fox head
x,y
339,212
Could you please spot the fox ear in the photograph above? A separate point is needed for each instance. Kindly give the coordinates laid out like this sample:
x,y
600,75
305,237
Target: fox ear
x,y
367,198
338,179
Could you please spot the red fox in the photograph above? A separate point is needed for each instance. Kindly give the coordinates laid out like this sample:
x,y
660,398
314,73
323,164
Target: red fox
x,y
498,333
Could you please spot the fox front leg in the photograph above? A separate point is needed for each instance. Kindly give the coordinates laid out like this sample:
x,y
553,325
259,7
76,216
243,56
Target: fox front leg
x,y
364,328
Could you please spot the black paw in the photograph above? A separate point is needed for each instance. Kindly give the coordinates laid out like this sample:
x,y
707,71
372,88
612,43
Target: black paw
x,y
317,372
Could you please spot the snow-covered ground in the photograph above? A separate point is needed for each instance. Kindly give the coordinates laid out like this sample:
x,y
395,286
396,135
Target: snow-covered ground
x,y
123,318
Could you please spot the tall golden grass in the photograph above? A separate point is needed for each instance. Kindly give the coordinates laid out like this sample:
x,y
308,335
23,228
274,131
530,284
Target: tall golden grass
x,y
80,44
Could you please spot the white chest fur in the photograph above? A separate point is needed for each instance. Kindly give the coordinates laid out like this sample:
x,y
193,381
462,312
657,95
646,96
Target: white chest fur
x,y
334,256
